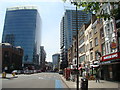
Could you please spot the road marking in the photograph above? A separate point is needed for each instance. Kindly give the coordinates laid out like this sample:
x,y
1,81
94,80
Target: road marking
x,y
58,84
40,78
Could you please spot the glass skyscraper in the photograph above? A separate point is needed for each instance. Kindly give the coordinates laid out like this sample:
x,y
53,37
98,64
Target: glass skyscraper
x,y
68,30
22,28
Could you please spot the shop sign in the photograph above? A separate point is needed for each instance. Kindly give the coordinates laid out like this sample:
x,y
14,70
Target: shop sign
x,y
111,56
113,45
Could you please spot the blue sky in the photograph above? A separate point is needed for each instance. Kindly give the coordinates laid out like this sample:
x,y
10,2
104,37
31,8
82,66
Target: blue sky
x,y
51,12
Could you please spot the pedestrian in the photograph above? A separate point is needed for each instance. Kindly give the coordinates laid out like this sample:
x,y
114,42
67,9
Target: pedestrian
x,y
97,77
84,74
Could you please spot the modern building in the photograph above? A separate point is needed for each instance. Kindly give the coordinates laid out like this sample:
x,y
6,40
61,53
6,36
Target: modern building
x,y
56,60
49,66
22,28
68,30
42,57
11,57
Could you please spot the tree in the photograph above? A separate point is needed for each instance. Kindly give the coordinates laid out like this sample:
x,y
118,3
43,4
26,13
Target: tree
x,y
95,7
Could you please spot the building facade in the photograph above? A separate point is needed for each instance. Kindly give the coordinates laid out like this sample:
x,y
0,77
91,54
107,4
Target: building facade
x,y
21,28
110,56
99,45
11,57
42,58
56,60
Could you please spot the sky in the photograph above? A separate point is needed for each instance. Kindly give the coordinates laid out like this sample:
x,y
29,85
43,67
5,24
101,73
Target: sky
x,y
51,13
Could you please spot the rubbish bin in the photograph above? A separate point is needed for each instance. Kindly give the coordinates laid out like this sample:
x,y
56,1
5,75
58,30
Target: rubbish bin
x,y
84,84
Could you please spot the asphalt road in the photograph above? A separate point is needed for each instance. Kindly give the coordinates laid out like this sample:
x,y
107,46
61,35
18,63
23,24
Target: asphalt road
x,y
39,80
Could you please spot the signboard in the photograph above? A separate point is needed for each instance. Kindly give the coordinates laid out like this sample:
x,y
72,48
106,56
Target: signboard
x,y
111,56
113,45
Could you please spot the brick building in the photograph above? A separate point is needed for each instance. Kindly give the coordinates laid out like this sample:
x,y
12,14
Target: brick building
x,y
11,57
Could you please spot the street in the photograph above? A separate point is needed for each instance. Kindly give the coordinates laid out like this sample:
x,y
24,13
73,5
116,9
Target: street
x,y
38,80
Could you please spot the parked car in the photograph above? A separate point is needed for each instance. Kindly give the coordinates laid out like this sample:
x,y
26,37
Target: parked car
x,y
15,71
38,71
60,72
35,71
31,71
26,72
19,71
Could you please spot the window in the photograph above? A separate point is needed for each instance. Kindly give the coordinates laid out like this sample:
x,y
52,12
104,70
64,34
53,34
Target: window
x,y
91,56
87,47
91,44
81,41
103,49
82,49
96,55
101,33
112,26
94,29
81,32
96,41
107,48
82,58
87,37
90,34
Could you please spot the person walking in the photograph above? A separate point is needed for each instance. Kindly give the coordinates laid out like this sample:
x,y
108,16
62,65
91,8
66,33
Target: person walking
x,y
97,77
84,74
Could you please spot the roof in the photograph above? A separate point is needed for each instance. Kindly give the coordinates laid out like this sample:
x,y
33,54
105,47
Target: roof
x,y
7,44
21,7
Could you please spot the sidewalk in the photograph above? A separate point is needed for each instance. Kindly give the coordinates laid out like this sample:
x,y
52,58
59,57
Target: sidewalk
x,y
92,84
8,76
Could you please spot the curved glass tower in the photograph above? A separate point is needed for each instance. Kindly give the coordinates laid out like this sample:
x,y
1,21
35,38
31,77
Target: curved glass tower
x,y
22,28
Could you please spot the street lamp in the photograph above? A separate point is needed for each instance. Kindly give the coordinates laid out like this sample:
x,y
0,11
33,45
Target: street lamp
x,y
76,4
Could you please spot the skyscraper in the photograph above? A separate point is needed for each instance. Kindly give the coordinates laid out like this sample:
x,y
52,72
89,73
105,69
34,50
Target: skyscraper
x,y
22,28
68,30
55,60
42,58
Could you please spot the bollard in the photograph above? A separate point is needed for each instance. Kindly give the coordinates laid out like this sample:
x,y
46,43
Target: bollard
x,y
84,84
13,73
4,75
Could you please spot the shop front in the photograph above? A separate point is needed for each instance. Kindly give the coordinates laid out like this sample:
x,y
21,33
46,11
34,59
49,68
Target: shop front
x,y
110,65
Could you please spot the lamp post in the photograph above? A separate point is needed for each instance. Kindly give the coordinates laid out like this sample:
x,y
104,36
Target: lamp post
x,y
75,3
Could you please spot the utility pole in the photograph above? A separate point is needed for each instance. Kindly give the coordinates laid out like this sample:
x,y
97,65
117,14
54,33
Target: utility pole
x,y
75,3
77,47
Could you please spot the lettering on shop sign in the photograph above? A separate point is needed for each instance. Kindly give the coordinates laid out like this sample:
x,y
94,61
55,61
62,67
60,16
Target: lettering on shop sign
x,y
112,56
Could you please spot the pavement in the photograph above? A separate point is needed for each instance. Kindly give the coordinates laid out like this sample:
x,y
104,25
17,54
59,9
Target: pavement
x,y
109,85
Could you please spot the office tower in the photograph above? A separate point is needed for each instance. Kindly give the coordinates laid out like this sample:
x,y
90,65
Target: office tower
x,y
22,28
42,58
68,30
56,59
